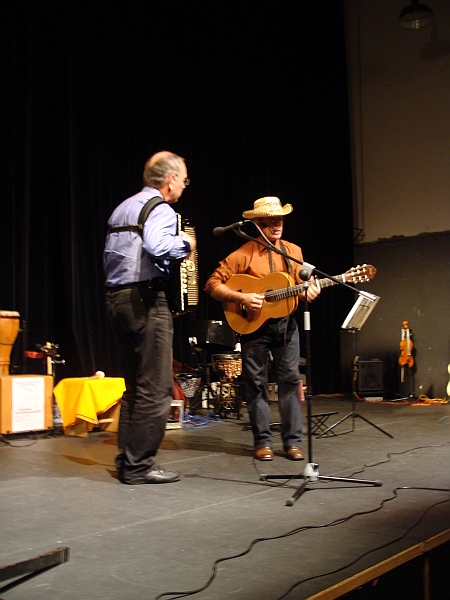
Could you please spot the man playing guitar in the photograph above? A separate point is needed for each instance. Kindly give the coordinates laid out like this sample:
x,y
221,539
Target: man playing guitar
x,y
260,336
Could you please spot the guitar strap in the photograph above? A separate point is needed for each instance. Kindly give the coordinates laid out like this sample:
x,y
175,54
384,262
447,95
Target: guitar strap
x,y
290,271
270,261
286,260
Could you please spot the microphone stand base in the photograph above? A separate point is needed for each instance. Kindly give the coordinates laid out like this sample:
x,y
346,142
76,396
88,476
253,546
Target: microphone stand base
x,y
311,475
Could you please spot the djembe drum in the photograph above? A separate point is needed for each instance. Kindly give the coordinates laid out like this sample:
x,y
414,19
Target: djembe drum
x,y
9,330
189,384
228,367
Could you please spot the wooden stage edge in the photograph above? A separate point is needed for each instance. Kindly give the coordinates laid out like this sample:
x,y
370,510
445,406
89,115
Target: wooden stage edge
x,y
371,575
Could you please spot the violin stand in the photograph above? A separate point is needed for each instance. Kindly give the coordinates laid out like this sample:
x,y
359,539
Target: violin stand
x,y
311,472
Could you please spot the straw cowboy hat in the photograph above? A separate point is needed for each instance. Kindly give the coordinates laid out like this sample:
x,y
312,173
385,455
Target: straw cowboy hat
x,y
267,207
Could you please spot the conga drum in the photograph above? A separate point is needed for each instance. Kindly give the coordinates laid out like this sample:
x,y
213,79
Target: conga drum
x,y
9,330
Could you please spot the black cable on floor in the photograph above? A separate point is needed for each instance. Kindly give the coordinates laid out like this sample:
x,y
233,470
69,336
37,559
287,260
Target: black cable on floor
x,y
180,594
30,438
353,562
183,594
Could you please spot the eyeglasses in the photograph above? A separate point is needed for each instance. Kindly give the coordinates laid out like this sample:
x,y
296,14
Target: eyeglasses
x,y
186,181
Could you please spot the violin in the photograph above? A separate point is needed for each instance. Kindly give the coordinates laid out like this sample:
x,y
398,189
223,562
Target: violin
x,y
406,345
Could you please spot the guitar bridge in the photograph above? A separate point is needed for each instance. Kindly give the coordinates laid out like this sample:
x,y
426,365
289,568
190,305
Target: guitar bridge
x,y
242,308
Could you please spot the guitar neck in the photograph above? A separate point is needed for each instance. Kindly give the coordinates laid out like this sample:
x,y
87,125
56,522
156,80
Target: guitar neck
x,y
294,290
327,282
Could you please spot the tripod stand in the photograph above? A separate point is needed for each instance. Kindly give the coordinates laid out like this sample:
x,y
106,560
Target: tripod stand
x,y
311,472
353,414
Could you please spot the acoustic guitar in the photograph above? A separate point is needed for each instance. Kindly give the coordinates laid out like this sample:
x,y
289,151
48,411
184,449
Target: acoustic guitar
x,y
280,295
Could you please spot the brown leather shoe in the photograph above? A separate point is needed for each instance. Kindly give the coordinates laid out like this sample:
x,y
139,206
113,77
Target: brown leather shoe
x,y
295,453
264,453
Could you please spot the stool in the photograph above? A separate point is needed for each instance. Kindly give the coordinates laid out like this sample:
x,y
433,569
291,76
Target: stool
x,y
318,423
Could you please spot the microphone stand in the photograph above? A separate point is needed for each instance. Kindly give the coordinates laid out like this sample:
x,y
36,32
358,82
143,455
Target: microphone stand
x,y
311,471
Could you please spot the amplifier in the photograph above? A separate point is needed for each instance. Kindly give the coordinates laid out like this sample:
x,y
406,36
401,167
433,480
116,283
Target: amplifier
x,y
370,376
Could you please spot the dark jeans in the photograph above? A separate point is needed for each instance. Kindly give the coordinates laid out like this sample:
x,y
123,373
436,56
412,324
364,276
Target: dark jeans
x,y
281,338
145,334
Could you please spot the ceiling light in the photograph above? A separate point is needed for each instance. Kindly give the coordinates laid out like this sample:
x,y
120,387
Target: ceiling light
x,y
416,16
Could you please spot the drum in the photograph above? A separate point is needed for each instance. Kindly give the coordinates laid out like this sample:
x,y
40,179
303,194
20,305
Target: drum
x,y
228,366
9,330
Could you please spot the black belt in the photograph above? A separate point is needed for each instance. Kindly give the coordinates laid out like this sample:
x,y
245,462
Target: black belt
x,y
157,283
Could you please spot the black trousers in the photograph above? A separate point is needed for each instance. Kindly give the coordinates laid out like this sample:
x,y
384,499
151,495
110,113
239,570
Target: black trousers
x,y
281,338
144,329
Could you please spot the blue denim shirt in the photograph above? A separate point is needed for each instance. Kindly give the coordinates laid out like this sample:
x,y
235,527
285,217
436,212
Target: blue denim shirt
x,y
129,257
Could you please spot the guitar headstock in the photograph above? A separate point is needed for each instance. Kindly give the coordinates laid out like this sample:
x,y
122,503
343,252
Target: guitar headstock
x,y
360,274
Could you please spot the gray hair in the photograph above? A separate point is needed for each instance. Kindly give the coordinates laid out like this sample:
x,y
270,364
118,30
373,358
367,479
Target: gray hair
x,y
156,172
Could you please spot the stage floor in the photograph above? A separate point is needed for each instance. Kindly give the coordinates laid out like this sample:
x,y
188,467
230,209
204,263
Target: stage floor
x,y
149,541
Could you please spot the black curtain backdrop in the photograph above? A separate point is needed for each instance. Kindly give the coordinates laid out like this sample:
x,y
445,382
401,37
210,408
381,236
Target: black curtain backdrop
x,y
254,96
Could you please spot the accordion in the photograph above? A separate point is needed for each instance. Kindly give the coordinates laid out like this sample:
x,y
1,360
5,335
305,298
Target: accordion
x,y
184,285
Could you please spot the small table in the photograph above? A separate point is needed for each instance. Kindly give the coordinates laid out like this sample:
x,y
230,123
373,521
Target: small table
x,y
81,400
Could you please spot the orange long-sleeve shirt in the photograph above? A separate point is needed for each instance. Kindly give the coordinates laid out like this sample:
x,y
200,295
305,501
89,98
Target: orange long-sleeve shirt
x,y
253,259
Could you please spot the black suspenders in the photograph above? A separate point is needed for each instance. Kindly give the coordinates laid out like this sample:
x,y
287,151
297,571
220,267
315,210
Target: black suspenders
x,y
143,216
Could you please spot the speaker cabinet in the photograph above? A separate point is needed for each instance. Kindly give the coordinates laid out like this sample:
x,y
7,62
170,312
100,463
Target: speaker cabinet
x,y
370,376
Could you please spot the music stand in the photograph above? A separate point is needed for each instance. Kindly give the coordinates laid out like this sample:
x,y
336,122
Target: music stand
x,y
354,321
360,311
311,472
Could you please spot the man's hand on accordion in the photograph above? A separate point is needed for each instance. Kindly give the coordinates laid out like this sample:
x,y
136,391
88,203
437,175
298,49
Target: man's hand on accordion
x,y
191,239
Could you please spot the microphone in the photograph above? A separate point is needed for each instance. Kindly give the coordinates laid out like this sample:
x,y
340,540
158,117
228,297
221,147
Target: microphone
x,y
305,274
307,271
221,230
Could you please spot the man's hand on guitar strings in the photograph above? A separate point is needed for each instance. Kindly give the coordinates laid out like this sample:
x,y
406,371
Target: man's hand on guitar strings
x,y
253,302
311,290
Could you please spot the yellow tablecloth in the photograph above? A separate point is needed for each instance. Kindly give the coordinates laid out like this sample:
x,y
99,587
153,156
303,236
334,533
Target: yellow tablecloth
x,y
81,400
